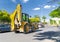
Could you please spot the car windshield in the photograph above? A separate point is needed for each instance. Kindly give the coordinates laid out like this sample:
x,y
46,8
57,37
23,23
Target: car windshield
x,y
1,25
4,25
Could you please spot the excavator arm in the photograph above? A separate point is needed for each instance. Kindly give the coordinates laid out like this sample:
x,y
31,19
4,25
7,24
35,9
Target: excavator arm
x,y
13,16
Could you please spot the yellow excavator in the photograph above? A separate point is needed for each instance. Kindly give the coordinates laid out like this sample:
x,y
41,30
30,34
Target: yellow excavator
x,y
20,21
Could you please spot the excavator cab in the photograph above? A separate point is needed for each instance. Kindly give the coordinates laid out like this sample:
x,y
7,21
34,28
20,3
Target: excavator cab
x,y
25,17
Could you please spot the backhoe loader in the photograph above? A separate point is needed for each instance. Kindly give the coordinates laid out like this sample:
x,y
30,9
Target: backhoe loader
x,y
20,21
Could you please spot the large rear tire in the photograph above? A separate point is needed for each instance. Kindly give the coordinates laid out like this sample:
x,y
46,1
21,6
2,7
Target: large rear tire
x,y
26,28
33,29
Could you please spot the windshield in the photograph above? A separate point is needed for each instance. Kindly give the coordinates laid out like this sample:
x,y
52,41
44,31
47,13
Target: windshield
x,y
25,17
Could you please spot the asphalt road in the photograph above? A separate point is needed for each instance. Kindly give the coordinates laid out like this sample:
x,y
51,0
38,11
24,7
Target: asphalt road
x,y
47,34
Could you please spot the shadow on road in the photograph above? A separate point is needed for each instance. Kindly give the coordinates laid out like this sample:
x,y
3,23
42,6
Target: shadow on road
x,y
48,35
5,32
34,31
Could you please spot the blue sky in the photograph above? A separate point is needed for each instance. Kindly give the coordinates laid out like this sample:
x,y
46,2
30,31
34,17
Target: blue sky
x,y
31,7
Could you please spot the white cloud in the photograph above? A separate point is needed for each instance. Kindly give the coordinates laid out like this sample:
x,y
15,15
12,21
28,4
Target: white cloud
x,y
36,8
47,6
25,1
13,1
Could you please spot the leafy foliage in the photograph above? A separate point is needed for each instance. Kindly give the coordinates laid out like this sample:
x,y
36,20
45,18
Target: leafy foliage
x,y
36,18
53,22
4,16
55,13
44,19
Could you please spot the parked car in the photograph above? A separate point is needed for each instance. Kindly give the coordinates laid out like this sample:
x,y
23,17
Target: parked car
x,y
5,27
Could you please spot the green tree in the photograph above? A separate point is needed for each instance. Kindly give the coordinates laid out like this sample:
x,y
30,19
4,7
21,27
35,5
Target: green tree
x,y
4,16
55,13
36,16
44,19
51,21
36,19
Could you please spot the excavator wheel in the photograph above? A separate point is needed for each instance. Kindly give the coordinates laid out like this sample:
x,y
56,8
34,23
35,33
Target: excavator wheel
x,y
15,29
26,28
33,29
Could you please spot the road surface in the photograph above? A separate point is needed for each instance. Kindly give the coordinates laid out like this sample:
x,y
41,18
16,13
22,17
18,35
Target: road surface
x,y
47,34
